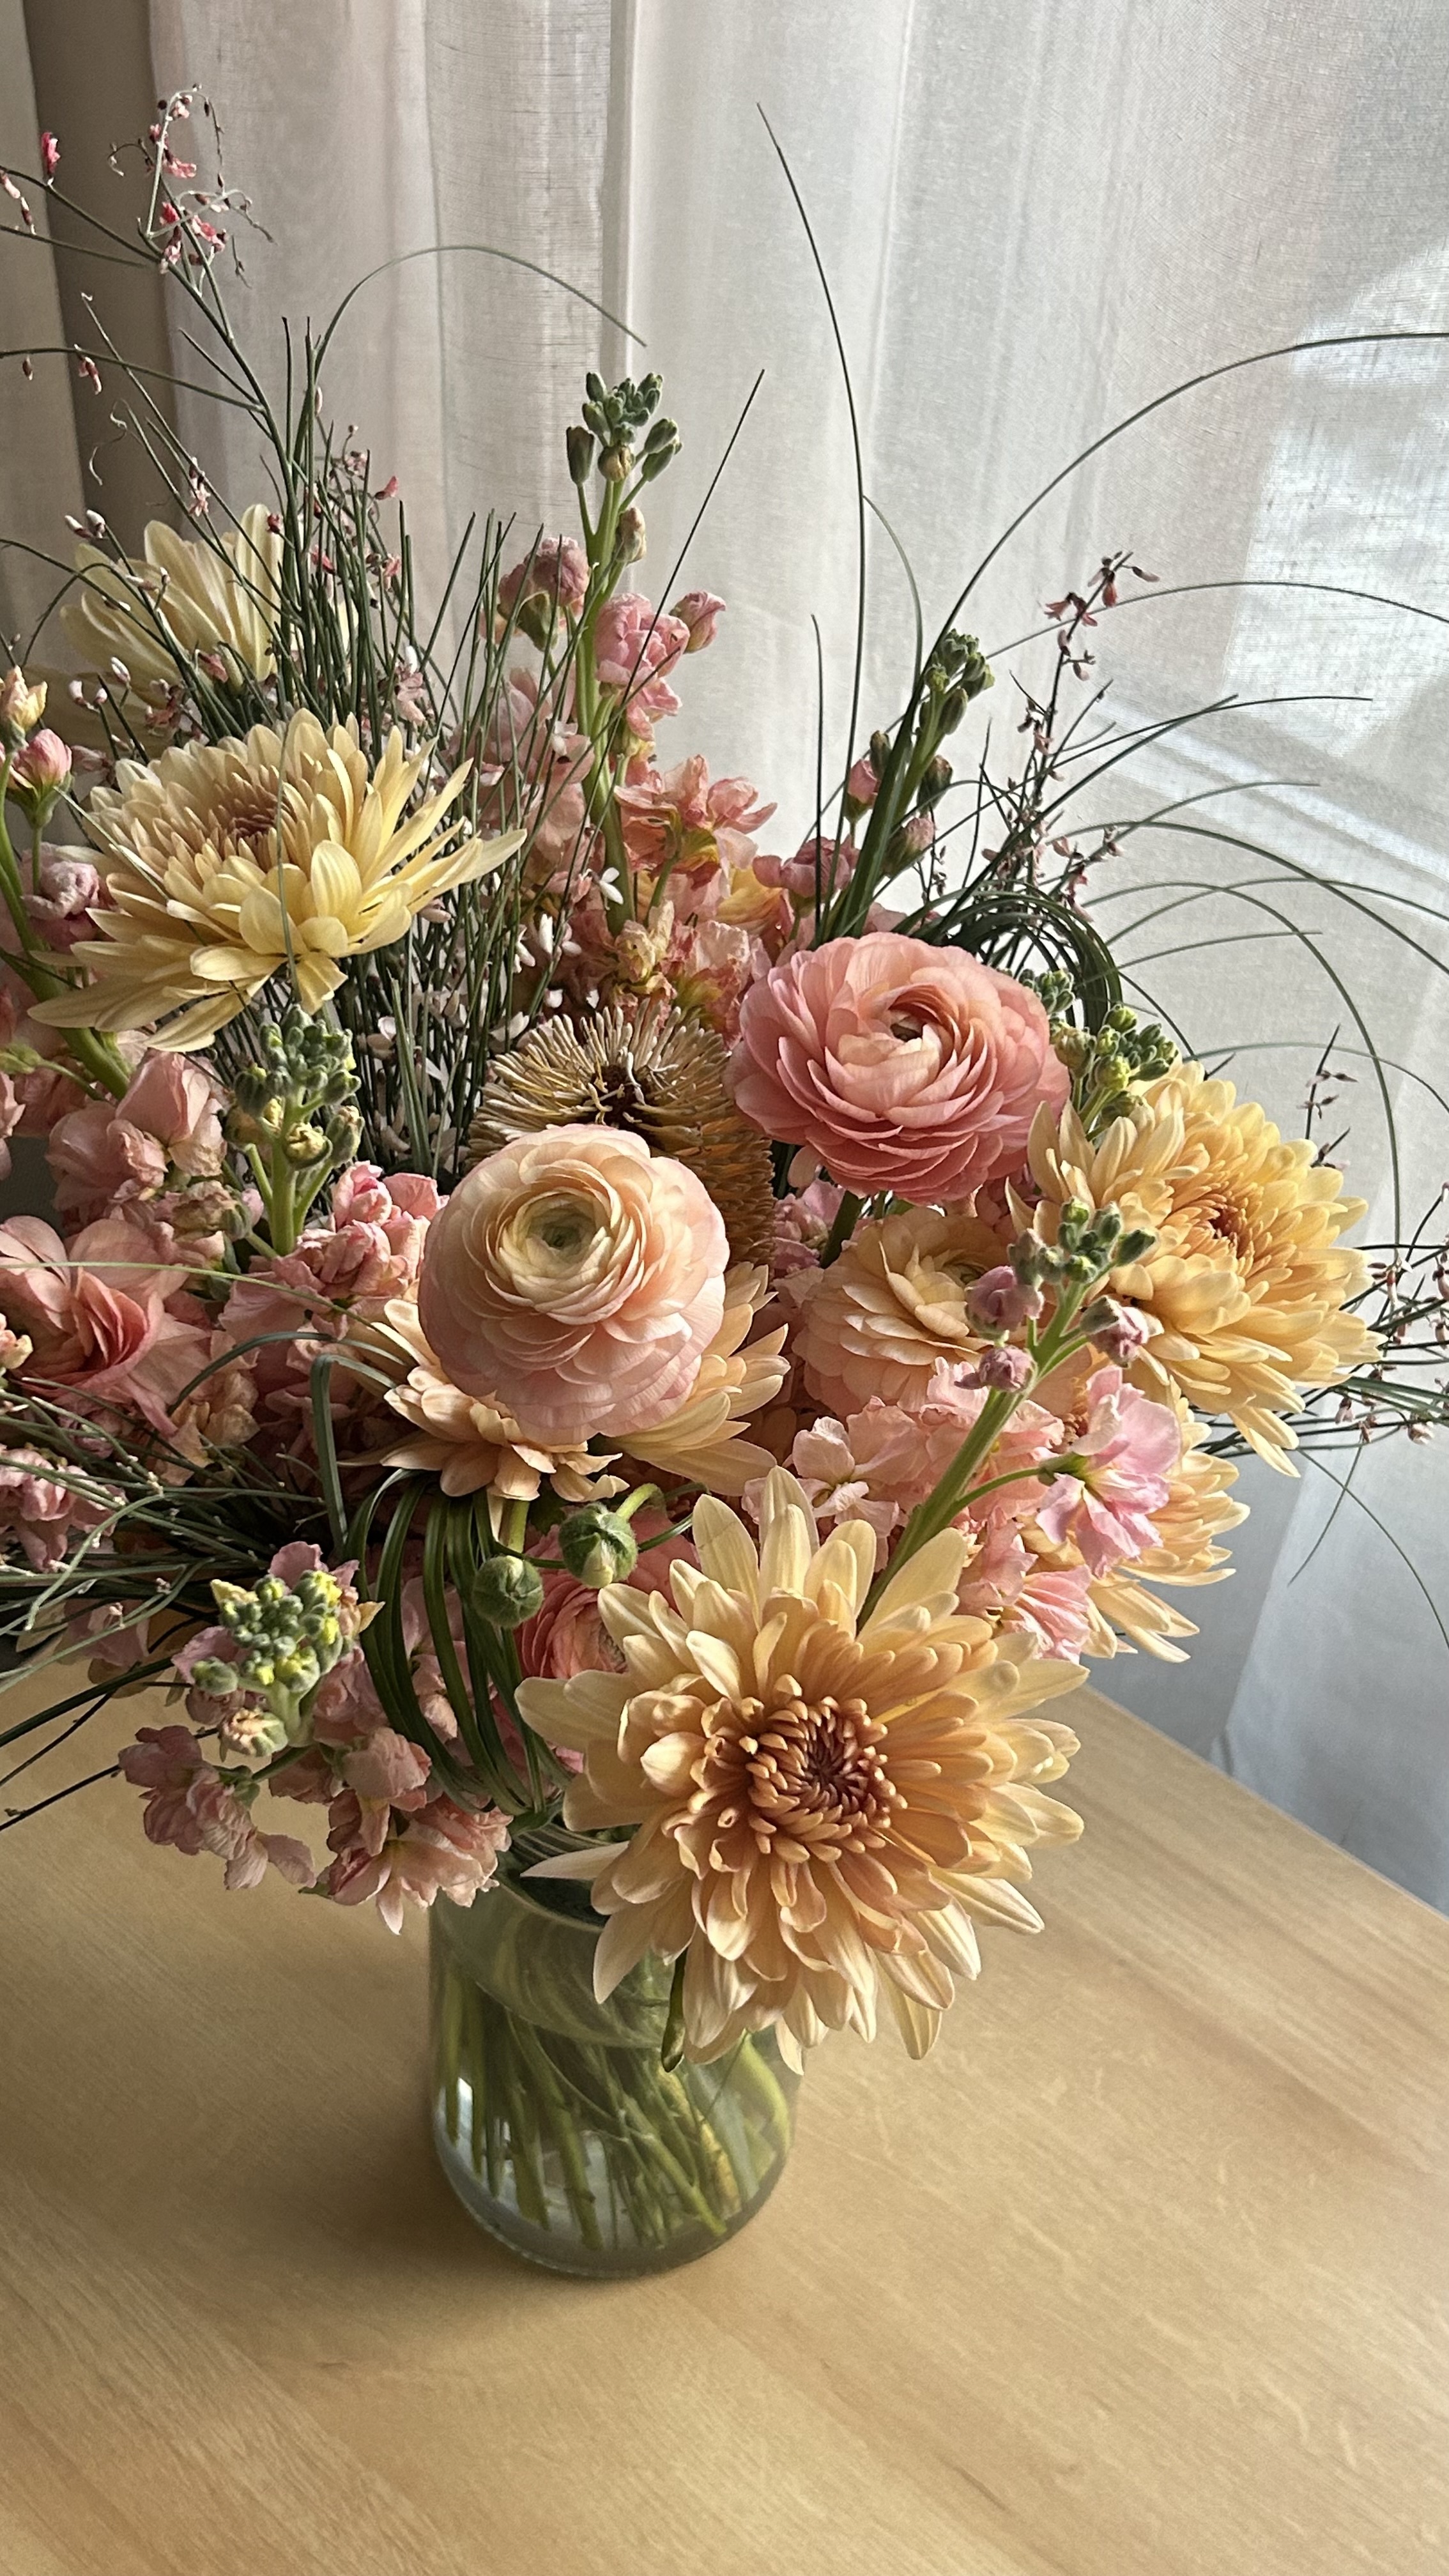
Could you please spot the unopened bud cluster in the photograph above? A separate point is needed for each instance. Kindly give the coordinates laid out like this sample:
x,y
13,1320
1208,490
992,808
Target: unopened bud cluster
x,y
288,1636
612,424
1109,1066
1090,1242
295,1100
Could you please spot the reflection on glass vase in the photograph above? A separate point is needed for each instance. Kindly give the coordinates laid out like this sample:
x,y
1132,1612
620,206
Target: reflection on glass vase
x,y
558,2127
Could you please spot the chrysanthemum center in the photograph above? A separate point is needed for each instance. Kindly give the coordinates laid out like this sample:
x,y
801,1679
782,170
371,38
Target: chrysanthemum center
x,y
797,1772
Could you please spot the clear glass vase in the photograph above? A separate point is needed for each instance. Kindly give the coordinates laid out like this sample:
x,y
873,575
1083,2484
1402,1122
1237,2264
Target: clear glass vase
x,y
558,2127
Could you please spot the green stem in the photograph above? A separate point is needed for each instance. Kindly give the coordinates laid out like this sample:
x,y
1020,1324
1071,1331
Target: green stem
x,y
949,1494
842,1229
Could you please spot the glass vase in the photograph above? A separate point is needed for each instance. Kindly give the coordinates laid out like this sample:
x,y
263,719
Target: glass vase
x,y
558,2127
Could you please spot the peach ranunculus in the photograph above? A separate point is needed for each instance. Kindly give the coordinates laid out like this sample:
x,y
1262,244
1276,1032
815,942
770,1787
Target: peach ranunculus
x,y
579,1279
904,1067
113,1151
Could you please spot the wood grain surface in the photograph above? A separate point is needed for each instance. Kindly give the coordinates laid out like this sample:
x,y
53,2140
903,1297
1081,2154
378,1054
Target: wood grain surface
x,y
1145,2273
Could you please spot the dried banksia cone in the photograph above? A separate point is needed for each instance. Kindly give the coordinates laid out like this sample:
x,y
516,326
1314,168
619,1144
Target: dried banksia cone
x,y
653,1072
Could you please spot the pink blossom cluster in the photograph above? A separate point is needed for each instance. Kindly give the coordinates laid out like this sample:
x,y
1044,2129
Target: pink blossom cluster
x,y
395,1837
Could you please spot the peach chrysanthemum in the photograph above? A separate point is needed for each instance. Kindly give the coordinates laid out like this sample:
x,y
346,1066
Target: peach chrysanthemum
x,y
890,1307
206,846
825,1806
1247,1277
204,598
472,1446
702,1440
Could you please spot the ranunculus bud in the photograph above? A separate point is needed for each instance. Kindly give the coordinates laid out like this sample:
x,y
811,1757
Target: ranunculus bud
x,y
41,770
998,1301
21,705
598,1547
507,1590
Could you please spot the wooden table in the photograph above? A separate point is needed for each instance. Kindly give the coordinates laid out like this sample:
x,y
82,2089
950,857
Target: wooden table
x,y
1145,2273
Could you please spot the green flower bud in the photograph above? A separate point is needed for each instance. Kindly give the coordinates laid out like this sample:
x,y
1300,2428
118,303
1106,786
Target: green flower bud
x,y
597,1546
507,1590
217,1679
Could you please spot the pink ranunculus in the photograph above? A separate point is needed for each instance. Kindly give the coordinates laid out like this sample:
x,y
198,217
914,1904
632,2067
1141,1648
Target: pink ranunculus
x,y
443,1850
1116,1475
701,612
634,648
578,1280
904,1067
556,571
113,1151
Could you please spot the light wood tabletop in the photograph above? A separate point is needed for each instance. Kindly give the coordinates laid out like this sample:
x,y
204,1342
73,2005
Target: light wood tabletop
x,y
1144,2273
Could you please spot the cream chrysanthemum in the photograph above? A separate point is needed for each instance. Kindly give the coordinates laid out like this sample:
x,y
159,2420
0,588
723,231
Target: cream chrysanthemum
x,y
198,598
225,862
1247,1278
702,1440
824,1806
470,1446
890,1307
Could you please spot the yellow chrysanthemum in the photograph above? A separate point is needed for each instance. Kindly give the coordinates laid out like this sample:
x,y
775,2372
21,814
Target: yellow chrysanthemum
x,y
702,1439
203,598
824,1806
225,862
1247,1278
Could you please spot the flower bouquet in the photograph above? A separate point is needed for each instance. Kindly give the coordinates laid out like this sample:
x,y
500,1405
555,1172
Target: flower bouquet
x,y
612,1369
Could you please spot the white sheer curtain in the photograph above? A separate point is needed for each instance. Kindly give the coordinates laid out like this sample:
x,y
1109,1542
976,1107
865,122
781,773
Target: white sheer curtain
x,y
1034,219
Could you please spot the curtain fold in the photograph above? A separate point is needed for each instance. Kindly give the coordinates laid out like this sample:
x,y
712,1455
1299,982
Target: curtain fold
x,y
1033,220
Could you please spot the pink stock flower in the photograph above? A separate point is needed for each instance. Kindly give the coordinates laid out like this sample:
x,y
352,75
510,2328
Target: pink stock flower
x,y
442,1850
45,1093
385,1773
578,1278
634,648
998,1301
41,1505
686,821
60,893
797,875
343,1274
904,1067
41,768
114,1151
1115,1475
863,786
802,1227
1054,1607
701,612
189,1805
1004,1366
105,1319
556,571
